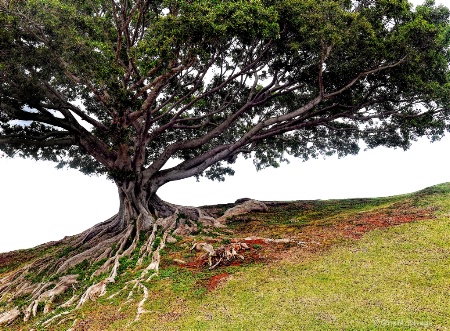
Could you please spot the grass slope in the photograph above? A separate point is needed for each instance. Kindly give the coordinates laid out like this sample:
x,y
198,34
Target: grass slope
x,y
361,264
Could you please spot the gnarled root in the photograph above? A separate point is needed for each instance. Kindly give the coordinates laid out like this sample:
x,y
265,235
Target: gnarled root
x,y
9,316
48,296
93,245
222,254
111,241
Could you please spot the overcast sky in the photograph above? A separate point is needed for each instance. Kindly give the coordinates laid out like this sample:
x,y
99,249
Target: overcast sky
x,y
39,203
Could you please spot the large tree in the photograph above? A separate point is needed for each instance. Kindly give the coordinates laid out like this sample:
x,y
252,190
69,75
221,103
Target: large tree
x,y
122,87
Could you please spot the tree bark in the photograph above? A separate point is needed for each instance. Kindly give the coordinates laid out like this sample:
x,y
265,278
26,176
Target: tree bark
x,y
142,218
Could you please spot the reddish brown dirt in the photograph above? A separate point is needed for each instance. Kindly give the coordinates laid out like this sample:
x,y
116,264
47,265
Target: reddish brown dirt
x,y
198,262
316,237
214,281
319,237
356,226
258,241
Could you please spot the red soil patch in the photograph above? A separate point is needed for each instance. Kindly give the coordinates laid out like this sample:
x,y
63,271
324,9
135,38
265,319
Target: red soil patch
x,y
316,237
214,281
197,263
258,241
355,228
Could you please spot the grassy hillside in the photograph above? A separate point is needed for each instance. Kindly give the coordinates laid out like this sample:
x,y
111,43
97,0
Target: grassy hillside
x,y
356,264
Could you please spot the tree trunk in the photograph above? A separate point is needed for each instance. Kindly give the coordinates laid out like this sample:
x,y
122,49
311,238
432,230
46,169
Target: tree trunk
x,y
140,228
86,263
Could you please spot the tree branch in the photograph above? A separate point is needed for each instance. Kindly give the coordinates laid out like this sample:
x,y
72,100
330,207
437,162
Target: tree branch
x,y
41,141
364,74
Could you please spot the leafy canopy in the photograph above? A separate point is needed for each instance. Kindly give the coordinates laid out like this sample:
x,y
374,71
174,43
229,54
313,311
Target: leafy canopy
x,y
123,86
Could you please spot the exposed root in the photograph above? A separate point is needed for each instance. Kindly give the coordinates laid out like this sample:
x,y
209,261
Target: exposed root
x,y
243,208
9,316
73,325
99,289
16,284
69,302
48,296
111,242
92,292
54,318
146,249
118,292
168,224
219,255
140,308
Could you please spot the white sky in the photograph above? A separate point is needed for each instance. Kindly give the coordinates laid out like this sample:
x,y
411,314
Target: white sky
x,y
39,203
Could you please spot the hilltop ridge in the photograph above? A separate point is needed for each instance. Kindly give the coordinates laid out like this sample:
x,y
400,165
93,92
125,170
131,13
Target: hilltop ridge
x,y
285,236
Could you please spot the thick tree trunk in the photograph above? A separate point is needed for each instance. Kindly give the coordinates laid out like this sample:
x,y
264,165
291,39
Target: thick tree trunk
x,y
142,218
135,235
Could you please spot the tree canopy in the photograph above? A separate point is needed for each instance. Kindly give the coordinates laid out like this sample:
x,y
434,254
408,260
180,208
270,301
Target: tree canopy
x,y
122,86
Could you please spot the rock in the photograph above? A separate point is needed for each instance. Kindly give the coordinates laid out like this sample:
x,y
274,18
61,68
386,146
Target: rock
x,y
243,208
170,239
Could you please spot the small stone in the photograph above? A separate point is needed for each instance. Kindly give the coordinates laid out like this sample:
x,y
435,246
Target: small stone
x,y
171,240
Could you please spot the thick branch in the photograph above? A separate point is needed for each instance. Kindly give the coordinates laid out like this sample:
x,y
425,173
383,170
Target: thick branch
x,y
40,141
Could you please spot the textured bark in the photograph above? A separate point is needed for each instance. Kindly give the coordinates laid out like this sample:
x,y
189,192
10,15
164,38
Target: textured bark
x,y
142,226
141,217
243,208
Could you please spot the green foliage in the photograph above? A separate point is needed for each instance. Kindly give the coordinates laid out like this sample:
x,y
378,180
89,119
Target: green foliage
x,y
204,81
156,243
65,251
34,277
22,301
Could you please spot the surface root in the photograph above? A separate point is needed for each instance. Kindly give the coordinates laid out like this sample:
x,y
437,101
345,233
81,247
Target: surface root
x,y
111,242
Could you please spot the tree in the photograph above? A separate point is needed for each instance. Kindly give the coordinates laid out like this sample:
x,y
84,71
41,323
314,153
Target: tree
x,y
122,87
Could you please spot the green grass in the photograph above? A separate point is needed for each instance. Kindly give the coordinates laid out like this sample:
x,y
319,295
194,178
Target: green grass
x,y
395,278
290,217
391,279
